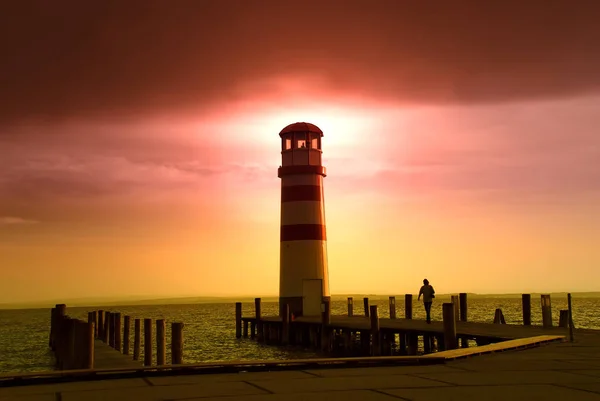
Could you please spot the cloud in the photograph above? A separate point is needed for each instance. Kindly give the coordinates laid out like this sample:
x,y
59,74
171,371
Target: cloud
x,y
8,220
140,57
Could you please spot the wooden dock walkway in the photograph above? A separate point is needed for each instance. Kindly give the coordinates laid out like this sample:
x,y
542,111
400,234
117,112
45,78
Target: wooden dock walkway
x,y
106,357
368,334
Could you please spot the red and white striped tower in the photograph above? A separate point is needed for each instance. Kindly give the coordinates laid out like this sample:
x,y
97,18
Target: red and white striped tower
x,y
303,274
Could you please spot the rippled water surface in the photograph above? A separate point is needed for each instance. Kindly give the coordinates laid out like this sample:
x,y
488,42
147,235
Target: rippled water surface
x,y
209,332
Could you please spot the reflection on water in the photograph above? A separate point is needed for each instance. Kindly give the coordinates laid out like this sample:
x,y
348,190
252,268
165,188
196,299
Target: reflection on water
x,y
209,332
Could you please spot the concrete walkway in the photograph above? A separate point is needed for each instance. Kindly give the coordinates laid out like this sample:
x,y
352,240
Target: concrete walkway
x,y
557,371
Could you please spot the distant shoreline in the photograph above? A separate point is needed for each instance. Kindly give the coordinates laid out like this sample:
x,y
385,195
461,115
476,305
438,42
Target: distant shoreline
x,y
89,302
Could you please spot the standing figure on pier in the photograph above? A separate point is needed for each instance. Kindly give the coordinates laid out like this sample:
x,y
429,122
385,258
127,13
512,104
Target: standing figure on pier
x,y
303,274
428,294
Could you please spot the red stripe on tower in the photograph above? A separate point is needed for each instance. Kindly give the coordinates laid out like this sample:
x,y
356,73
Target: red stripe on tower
x,y
297,193
303,232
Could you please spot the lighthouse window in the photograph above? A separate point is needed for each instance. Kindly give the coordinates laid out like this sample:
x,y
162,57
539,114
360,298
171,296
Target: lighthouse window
x,y
288,144
314,141
300,140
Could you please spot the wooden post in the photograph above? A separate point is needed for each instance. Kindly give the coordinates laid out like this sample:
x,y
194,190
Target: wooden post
x,y
570,306
111,330
462,300
350,306
147,342
126,328
408,306
246,328
285,319
499,317
176,343
78,345
526,300
563,320
100,324
375,331
106,331
160,342
454,300
52,327
88,333
95,321
60,310
238,320
411,340
325,322
426,344
366,304
449,326
546,311
392,307
69,350
137,339
118,332
258,317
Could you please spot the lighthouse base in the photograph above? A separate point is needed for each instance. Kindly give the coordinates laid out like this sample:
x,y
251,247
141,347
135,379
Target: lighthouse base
x,y
295,304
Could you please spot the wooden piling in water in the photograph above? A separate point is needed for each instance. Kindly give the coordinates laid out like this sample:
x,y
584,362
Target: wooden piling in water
x,y
106,330
176,343
285,330
366,306
546,311
126,328
392,303
69,343
258,316
526,302
563,320
408,306
462,300
570,306
56,315
454,300
238,320
88,332
449,326
499,317
118,332
160,342
463,310
410,339
147,342
325,322
111,330
137,339
350,306
375,331
100,331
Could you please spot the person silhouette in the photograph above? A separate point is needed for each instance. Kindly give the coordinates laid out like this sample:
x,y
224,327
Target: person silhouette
x,y
428,294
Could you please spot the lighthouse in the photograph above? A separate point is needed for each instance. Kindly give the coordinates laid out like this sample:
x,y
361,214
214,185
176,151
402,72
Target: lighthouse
x,y
303,274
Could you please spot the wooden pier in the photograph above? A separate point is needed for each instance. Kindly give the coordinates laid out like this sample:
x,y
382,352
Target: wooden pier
x,y
103,342
367,334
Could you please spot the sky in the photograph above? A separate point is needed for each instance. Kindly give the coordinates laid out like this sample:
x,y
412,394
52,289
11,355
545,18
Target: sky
x,y
139,144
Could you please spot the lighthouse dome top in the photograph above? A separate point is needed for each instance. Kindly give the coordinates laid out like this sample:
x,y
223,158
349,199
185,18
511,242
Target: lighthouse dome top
x,y
301,128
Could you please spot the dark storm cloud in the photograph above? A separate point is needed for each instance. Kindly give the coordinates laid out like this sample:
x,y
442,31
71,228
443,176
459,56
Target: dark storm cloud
x,y
100,58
